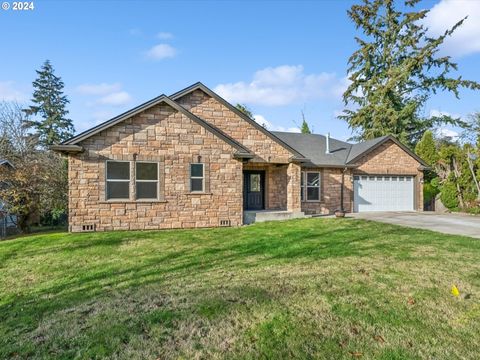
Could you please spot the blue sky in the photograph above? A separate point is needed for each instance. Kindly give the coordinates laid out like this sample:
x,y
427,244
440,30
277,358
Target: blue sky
x,y
277,57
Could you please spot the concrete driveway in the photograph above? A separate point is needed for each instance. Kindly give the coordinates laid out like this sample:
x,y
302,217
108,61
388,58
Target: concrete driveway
x,y
445,223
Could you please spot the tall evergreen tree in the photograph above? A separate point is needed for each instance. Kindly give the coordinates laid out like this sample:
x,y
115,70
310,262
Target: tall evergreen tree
x,y
305,129
395,71
49,103
244,109
427,149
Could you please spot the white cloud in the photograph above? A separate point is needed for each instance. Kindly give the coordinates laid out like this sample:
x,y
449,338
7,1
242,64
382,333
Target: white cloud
x,y
466,39
164,35
446,132
115,99
161,51
102,115
283,85
439,113
267,124
9,92
98,89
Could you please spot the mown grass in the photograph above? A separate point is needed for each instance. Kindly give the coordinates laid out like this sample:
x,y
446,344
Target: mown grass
x,y
310,288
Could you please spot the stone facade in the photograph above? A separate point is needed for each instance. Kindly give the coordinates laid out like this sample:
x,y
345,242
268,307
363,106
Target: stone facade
x,y
275,184
163,135
173,140
330,189
391,159
209,109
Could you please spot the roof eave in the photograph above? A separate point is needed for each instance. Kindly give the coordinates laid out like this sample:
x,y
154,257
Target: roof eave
x,y
240,155
300,160
115,120
211,93
396,141
67,149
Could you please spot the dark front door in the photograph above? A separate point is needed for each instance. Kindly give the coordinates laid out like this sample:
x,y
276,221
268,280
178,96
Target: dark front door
x,y
254,190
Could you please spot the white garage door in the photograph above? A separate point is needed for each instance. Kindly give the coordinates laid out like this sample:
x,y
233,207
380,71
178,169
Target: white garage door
x,y
383,193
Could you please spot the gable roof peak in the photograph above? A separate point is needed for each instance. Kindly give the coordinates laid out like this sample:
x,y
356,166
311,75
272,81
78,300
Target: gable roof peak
x,y
211,93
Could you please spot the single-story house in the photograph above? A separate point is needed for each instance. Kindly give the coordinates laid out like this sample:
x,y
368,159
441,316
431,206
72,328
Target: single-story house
x,y
192,159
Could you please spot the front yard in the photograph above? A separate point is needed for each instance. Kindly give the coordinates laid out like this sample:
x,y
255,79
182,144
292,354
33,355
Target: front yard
x,y
311,288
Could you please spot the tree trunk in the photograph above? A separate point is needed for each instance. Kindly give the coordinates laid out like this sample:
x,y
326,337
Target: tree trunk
x,y
457,176
470,166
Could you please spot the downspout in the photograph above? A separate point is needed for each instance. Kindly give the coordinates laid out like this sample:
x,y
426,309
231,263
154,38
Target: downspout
x,y
342,190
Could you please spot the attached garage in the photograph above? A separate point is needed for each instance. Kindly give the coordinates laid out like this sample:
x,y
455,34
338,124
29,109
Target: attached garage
x,y
383,193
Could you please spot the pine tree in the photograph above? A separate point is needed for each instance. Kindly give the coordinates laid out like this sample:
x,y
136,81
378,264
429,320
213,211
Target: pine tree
x,y
305,129
395,71
245,110
49,103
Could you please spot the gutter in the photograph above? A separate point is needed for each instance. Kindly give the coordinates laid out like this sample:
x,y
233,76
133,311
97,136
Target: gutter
x,y
67,149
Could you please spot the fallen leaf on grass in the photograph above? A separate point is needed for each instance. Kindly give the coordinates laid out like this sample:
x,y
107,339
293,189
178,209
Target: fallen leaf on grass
x,y
363,271
411,301
379,338
356,354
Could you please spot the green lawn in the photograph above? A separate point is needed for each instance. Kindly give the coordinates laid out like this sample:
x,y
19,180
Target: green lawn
x,y
310,288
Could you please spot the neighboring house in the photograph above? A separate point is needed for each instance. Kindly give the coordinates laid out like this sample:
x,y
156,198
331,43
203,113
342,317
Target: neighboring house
x,y
8,222
191,159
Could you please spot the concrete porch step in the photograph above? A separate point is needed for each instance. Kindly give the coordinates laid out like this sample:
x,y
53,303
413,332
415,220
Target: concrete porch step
x,y
253,216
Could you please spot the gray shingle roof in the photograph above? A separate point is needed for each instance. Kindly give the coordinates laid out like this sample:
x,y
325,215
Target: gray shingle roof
x,y
361,147
313,147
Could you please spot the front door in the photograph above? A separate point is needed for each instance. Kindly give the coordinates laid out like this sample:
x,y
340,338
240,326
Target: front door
x,y
254,193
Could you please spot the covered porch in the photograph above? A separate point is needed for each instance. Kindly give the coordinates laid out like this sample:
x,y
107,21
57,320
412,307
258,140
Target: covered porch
x,y
271,191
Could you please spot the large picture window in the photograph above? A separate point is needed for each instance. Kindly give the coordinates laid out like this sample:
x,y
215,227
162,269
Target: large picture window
x,y
118,180
197,178
313,186
146,178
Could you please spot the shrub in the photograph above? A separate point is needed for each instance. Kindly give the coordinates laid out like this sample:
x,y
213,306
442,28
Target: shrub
x,y
448,195
430,190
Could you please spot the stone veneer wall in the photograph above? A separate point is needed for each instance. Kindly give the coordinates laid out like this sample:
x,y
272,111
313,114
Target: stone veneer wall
x,y
173,140
275,184
330,190
390,159
209,109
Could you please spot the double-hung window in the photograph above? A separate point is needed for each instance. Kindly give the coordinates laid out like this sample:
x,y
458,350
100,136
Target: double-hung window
x,y
312,186
197,177
146,179
118,180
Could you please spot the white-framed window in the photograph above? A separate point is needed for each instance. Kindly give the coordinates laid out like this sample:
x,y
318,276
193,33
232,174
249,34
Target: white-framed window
x,y
197,177
146,180
118,180
312,186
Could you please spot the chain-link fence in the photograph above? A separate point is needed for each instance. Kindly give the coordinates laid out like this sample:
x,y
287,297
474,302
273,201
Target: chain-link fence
x,y
8,225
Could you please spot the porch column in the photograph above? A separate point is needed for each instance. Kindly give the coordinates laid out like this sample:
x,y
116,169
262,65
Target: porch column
x,y
293,188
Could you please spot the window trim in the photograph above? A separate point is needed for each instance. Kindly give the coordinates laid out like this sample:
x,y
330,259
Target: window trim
x,y
315,187
148,181
118,180
302,186
197,177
